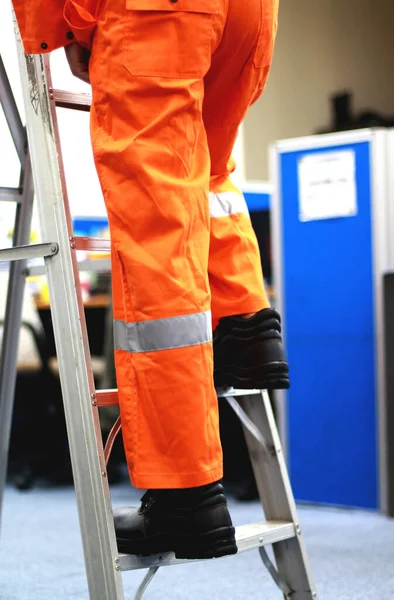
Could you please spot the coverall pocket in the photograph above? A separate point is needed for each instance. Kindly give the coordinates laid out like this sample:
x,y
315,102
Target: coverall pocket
x,y
169,38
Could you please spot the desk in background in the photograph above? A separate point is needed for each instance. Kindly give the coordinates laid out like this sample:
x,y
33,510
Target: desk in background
x,y
95,314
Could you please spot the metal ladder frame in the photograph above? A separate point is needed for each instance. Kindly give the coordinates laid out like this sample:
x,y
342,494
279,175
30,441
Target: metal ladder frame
x,y
81,400
23,196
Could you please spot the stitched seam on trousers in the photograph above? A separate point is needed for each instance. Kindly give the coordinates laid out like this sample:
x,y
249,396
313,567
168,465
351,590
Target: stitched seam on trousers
x,y
127,299
218,16
240,232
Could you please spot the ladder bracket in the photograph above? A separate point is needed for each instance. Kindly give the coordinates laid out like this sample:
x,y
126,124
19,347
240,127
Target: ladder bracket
x,y
269,565
250,426
145,582
30,251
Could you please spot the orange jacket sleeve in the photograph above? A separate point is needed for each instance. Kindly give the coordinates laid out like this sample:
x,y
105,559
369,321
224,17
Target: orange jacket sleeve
x,y
49,24
42,25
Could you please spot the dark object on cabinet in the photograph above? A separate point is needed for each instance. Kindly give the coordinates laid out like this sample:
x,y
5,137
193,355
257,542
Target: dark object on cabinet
x,y
344,119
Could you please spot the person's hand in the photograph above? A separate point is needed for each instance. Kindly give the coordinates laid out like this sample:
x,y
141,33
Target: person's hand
x,y
78,60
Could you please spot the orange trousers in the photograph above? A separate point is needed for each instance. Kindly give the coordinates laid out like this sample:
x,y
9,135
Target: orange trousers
x,y
172,81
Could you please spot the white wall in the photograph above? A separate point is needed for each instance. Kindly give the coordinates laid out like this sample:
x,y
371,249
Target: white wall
x,y
323,46
82,183
9,163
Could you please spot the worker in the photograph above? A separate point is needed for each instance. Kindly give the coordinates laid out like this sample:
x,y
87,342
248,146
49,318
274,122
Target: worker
x,y
171,82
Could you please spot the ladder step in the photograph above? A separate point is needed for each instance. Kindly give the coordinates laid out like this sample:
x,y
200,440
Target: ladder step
x,y
249,537
93,244
226,392
71,100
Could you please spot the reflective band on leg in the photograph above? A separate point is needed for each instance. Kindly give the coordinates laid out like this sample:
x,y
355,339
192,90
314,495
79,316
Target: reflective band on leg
x,y
224,204
163,334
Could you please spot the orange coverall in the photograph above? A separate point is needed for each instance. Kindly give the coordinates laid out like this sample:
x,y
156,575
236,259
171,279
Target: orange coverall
x,y
171,81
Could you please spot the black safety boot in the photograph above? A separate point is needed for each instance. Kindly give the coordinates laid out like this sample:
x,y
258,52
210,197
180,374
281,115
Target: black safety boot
x,y
193,523
248,353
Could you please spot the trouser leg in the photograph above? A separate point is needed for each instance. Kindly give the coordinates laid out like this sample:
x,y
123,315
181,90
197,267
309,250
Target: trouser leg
x,y
152,157
237,77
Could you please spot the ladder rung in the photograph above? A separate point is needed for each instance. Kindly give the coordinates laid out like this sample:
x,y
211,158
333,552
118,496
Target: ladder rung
x,y
110,397
94,244
9,194
72,100
249,537
107,398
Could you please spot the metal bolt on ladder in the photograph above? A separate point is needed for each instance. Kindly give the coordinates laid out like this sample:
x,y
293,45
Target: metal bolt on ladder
x,y
82,401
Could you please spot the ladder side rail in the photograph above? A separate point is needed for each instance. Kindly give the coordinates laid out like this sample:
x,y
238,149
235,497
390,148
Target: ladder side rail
x,y
83,427
277,497
12,115
12,321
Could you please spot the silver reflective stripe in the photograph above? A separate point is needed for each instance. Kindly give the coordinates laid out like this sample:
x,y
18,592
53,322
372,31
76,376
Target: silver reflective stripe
x,y
225,204
163,334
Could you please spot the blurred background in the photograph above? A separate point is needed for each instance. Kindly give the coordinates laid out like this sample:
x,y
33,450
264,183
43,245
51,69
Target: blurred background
x,y
323,130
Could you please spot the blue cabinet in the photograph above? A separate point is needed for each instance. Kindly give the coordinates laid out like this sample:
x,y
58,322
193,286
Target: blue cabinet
x,y
328,277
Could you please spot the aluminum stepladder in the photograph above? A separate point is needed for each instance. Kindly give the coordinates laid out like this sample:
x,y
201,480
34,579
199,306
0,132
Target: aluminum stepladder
x,y
23,196
81,400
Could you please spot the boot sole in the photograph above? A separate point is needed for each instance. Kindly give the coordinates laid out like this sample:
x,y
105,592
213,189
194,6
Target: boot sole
x,y
217,543
268,376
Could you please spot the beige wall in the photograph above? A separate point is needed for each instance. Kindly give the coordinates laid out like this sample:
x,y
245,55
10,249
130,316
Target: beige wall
x,y
323,46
